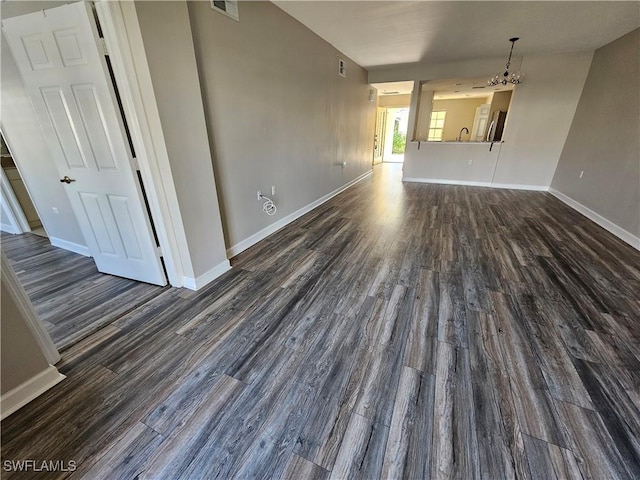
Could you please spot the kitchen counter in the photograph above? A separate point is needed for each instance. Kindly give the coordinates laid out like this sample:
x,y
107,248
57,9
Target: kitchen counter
x,y
455,142
471,163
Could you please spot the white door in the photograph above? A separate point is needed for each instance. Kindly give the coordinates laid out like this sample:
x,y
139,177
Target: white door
x,y
378,138
480,123
67,79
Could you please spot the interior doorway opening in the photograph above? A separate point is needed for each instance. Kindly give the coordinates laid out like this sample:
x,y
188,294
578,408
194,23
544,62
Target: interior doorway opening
x,y
392,121
18,211
395,135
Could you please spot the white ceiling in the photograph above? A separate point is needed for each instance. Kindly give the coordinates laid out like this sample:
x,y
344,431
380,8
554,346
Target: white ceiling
x,y
393,88
470,87
381,33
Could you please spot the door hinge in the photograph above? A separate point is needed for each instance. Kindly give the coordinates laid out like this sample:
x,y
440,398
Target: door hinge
x,y
103,45
159,250
136,165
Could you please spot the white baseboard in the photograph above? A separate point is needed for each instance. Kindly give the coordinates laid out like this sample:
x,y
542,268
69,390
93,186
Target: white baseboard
x,y
509,186
274,227
207,277
72,247
25,392
516,186
5,227
444,181
608,225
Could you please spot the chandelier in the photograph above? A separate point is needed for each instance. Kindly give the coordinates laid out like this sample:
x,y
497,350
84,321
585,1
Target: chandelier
x,y
506,77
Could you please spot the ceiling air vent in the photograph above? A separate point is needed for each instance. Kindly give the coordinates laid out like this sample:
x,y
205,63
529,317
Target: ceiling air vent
x,y
226,7
342,67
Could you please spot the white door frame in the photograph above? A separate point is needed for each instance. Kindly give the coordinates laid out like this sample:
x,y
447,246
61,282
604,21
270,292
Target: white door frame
x,y
120,27
19,221
12,208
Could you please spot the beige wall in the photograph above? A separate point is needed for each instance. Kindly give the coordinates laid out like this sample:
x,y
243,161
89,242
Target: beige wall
x,y
420,117
603,140
540,117
166,33
28,146
22,358
460,114
394,101
500,101
278,113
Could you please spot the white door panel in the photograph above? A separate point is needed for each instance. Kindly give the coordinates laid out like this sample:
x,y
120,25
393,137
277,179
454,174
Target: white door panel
x,y
68,81
480,123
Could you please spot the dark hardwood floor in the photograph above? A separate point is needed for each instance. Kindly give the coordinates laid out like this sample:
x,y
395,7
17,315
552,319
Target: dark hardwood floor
x,y
71,297
397,331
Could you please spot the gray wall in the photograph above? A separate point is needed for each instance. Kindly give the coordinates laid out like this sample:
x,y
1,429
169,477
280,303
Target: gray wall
x,y
278,113
22,358
604,139
28,146
166,33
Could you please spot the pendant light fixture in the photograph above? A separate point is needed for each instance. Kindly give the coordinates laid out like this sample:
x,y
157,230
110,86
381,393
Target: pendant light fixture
x,y
506,77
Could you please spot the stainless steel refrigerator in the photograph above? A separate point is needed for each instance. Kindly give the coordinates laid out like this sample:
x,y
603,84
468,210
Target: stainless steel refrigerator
x,y
496,127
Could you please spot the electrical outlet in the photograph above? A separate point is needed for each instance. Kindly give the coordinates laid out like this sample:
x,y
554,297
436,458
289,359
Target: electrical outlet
x,y
470,161
259,195
273,189
581,173
55,210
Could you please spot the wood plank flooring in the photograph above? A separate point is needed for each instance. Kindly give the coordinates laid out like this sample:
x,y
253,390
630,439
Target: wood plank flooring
x,y
71,297
397,331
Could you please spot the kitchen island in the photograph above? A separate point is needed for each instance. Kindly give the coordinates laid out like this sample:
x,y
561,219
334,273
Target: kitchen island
x,y
464,163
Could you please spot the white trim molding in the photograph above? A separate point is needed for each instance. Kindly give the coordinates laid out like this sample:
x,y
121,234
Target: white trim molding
x,y
274,227
123,38
19,396
207,277
508,186
517,186
608,225
12,208
444,181
15,288
72,247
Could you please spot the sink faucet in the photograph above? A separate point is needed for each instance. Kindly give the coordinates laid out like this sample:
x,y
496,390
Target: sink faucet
x,y
463,129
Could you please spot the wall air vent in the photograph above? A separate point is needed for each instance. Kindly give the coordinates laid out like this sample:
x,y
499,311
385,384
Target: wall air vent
x,y
342,67
226,7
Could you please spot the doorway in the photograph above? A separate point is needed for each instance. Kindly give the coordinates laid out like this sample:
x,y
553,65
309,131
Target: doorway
x,y
395,134
18,212
66,75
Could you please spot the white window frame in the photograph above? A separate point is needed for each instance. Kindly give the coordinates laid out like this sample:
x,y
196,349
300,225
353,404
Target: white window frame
x,y
434,134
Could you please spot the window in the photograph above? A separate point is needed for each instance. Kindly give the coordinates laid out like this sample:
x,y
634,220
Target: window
x,y
436,125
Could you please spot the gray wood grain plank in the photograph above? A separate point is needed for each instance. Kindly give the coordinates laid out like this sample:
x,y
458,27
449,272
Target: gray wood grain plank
x,y
301,468
404,411
398,330
587,429
422,340
455,445
534,408
126,457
